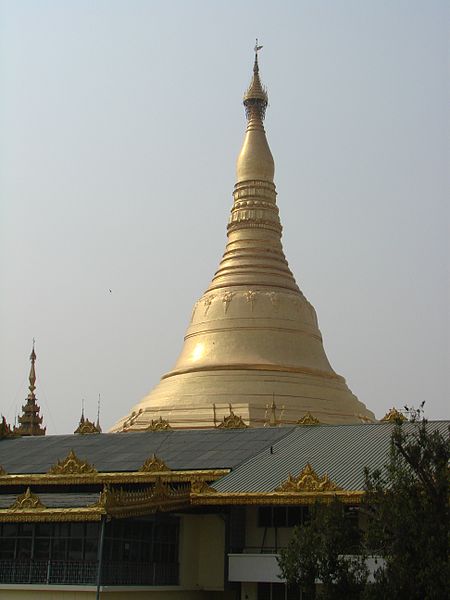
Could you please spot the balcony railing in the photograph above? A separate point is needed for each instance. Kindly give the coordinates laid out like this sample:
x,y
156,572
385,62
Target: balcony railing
x,y
85,572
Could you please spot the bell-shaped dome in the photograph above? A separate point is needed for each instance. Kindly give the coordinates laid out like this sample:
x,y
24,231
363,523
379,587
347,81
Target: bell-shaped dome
x,y
253,347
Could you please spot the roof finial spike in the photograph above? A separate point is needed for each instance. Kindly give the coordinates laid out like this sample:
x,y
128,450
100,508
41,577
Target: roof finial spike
x,y
32,376
257,49
98,415
82,411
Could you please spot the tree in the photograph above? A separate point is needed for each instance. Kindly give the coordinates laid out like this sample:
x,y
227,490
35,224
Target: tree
x,y
406,510
319,549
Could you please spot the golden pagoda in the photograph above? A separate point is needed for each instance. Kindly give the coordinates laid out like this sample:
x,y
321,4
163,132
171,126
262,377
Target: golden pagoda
x,y
253,342
30,422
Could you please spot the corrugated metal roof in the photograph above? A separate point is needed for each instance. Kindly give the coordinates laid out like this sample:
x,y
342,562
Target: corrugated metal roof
x,y
55,500
112,452
341,451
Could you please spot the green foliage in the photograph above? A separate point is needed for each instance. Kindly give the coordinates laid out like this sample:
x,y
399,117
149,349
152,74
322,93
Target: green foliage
x,y
317,551
406,514
408,510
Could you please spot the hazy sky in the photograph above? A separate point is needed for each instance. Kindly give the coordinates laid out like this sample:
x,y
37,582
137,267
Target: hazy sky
x,y
120,124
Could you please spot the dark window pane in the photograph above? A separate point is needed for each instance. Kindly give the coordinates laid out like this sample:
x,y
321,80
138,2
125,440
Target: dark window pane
x,y
263,591
44,529
75,549
90,549
294,515
26,529
7,549
59,549
42,548
23,549
61,530
279,516
278,591
92,530
10,530
265,516
77,530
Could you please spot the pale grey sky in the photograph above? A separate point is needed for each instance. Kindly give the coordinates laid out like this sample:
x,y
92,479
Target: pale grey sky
x,y
120,125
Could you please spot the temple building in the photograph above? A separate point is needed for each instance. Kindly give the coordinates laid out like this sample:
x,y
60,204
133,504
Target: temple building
x,y
194,493
253,341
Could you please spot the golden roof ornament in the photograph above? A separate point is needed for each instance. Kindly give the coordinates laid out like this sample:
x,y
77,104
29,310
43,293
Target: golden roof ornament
x,y
72,465
308,419
307,481
86,427
30,421
393,416
154,464
26,501
159,425
252,333
232,421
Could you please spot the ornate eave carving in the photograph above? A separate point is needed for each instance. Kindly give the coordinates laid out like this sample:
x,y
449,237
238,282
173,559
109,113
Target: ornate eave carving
x,y
159,425
154,464
26,501
393,416
72,465
307,481
308,419
199,486
160,496
232,421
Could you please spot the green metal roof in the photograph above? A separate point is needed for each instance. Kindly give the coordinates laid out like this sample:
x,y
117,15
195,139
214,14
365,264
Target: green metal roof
x,y
341,451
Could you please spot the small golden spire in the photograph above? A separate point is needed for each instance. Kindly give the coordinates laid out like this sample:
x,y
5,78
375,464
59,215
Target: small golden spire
x,y
32,376
255,161
255,98
30,421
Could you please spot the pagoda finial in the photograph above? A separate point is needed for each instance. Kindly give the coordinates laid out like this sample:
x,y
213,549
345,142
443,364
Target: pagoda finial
x,y
32,376
255,98
30,422
257,49
98,415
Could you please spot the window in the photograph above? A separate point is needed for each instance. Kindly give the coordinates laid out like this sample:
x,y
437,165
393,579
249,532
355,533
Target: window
x,y
282,516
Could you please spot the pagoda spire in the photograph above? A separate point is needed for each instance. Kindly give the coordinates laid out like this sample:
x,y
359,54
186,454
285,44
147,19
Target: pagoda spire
x,y
30,421
252,334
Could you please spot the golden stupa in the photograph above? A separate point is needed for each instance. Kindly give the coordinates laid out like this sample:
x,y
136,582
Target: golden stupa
x,y
253,350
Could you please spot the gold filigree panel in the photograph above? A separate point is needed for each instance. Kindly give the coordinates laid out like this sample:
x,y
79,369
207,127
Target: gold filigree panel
x,y
72,465
232,421
159,425
393,416
307,481
27,500
308,419
154,464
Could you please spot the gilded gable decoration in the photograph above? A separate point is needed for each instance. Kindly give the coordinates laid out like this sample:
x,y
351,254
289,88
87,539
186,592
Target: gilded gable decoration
x,y
72,465
27,500
308,419
86,427
307,481
159,425
393,416
232,421
154,464
199,486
